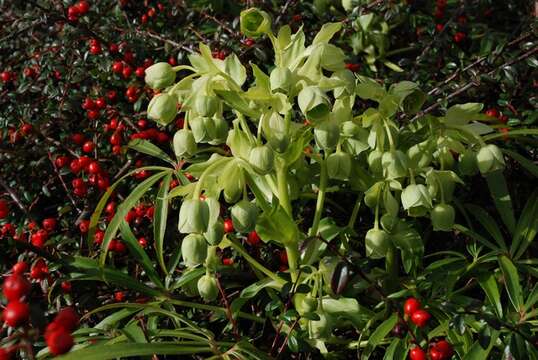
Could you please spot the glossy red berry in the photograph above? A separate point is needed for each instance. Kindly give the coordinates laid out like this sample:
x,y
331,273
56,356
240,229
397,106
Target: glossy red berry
x,y
84,226
20,268
420,318
140,72
411,305
494,113
59,341
83,7
435,354
227,261
117,67
417,353
445,348
119,296
5,76
66,287
39,238
88,146
16,313
143,242
49,224
253,239
4,209
67,318
228,226
95,49
249,42
15,287
5,354
127,72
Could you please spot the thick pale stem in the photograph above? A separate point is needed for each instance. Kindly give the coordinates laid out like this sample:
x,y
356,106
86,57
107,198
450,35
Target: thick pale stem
x,y
292,251
255,264
282,182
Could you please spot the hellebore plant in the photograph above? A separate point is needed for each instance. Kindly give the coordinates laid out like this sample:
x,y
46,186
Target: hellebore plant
x,y
305,125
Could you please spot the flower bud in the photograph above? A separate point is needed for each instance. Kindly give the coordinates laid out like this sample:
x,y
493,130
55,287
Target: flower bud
x,y
339,165
281,79
374,161
443,217
244,215
445,158
160,75
215,232
207,287
184,143
490,159
377,243
205,105
262,159
275,130
254,22
395,164
162,108
416,200
327,134
313,103
193,249
193,216
220,131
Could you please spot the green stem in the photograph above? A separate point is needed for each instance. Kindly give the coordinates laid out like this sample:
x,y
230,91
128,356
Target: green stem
x,y
355,212
292,251
400,51
282,183
391,266
239,248
323,180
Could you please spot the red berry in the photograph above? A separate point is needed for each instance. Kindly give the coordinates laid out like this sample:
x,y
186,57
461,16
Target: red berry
x,y
503,119
127,72
39,238
140,72
5,76
67,318
94,168
494,113
61,161
420,318
115,139
5,354
445,348
16,313
88,146
435,354
151,12
459,37
353,67
227,261
113,48
59,342
84,226
417,353
172,61
249,42
83,7
100,103
147,63
26,129
66,287
119,296
15,287
142,123
143,242
49,224
439,27
411,305
228,226
95,49
20,268
128,56
112,95
4,209
131,91
117,67
253,239
40,270
77,138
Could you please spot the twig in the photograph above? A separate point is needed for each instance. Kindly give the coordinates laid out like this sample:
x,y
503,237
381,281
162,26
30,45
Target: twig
x,y
13,195
229,315
163,39
281,349
283,11
63,183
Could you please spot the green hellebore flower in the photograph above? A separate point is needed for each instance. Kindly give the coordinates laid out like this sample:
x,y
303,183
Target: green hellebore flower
x,y
215,232
445,158
395,164
160,75
276,131
254,22
467,163
420,155
377,243
220,131
193,249
416,200
374,161
193,216
490,159
281,79
339,165
262,159
207,287
205,105
327,134
313,103
244,215
202,128
162,108
184,143
443,217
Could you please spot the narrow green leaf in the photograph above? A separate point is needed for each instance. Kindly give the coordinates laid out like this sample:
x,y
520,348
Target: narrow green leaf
x,y
475,236
488,223
139,254
148,148
488,282
527,227
382,330
501,196
477,352
113,351
523,161
160,218
511,281
123,209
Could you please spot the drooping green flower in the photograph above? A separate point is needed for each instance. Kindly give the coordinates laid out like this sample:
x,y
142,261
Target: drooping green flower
x,y
160,75
490,159
254,22
162,108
